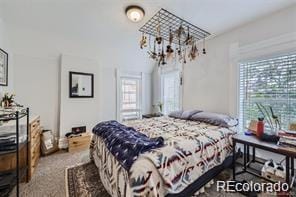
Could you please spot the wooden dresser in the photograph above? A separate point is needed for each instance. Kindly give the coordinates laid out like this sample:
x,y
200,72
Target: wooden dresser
x,y
8,162
34,145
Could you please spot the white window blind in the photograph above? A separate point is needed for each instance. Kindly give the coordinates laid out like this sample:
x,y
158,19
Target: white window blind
x,y
171,92
130,98
271,82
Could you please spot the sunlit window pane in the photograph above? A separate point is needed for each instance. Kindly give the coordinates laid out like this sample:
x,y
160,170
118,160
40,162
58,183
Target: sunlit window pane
x,y
130,98
271,82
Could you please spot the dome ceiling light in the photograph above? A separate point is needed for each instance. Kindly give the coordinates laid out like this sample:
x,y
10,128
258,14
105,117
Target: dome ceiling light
x,y
135,13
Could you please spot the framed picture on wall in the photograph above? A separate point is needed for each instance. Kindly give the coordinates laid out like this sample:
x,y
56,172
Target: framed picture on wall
x,y
3,68
81,85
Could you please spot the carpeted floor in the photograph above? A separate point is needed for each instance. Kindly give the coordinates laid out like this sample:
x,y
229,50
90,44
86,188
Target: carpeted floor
x,y
82,180
49,177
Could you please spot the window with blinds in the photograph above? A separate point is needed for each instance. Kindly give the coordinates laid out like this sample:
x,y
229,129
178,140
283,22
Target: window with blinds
x,y
271,82
130,98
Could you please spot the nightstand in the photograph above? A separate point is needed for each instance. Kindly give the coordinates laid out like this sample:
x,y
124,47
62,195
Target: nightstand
x,y
79,142
152,115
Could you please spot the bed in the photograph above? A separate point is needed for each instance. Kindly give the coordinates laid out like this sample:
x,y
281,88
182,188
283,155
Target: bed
x,y
193,153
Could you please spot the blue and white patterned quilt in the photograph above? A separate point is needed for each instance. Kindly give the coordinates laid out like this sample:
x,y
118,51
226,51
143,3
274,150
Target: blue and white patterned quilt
x,y
125,143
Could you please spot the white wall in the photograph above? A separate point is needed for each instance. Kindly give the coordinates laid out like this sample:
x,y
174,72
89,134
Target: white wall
x,y
78,111
5,45
36,84
36,54
89,111
206,80
147,93
210,83
107,93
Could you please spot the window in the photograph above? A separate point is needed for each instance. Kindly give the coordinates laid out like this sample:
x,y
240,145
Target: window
x,y
271,82
129,92
171,91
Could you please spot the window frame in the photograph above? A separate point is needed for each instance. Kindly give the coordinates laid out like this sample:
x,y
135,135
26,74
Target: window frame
x,y
178,72
128,75
254,50
239,79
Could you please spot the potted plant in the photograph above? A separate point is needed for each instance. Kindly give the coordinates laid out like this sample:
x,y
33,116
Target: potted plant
x,y
159,107
271,119
7,100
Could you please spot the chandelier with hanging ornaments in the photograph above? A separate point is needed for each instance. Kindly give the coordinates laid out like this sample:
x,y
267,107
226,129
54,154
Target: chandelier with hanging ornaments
x,y
171,37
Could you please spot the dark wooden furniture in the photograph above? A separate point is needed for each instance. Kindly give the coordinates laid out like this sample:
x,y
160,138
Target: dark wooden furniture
x,y
252,141
152,115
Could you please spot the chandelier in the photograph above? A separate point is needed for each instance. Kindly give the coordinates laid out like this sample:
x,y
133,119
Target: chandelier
x,y
171,37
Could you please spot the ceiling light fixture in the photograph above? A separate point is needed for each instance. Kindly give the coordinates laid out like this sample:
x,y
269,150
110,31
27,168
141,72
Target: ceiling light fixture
x,y
135,13
173,38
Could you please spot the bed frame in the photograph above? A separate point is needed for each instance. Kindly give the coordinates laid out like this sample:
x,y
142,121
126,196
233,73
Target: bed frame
x,y
205,178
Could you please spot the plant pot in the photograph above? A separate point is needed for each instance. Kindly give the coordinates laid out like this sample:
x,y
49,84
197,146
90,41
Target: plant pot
x,y
6,104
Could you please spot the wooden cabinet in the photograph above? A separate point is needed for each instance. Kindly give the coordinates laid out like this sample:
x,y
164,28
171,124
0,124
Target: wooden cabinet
x,y
8,161
34,145
80,142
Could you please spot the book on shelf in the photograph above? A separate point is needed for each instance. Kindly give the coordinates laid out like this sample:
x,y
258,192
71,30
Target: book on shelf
x,y
287,133
286,144
287,137
287,141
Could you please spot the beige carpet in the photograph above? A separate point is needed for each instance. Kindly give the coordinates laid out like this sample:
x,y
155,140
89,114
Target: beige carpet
x,y
82,180
49,177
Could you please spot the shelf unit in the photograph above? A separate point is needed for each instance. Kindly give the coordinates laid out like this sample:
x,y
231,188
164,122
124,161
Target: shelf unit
x,y
11,178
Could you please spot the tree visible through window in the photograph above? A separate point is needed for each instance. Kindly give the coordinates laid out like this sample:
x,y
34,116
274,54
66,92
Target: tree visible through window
x,y
271,82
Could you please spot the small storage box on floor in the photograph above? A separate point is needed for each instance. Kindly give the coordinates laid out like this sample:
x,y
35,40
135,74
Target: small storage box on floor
x,y
79,142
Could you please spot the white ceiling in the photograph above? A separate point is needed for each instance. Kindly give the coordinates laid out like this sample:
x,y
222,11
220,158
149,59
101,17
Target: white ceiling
x,y
88,19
